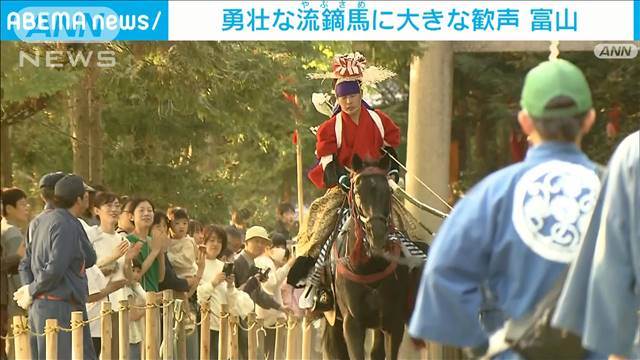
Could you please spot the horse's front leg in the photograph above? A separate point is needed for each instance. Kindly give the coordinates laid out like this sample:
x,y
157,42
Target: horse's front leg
x,y
354,334
377,352
392,341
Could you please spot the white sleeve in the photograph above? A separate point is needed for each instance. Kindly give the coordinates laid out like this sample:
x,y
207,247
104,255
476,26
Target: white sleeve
x,y
240,303
205,291
281,274
95,280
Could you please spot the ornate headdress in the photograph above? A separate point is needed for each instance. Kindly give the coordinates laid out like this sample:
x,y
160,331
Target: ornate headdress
x,y
353,66
351,73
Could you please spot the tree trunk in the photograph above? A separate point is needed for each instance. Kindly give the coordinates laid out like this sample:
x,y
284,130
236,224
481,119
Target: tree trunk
x,y
83,122
6,179
95,124
79,119
481,147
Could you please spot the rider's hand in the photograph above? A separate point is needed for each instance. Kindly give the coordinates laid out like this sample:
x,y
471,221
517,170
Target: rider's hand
x,y
394,174
345,183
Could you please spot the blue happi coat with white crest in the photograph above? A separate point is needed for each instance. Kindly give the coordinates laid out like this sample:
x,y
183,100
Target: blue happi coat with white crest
x,y
515,233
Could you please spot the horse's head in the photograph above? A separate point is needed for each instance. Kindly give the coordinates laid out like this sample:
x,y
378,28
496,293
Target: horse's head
x,y
372,199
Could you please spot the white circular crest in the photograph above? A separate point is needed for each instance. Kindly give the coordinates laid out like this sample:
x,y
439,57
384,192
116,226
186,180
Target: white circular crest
x,y
552,205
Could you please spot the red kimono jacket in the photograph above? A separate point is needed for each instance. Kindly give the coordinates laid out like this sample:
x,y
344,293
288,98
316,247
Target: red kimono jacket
x,y
364,139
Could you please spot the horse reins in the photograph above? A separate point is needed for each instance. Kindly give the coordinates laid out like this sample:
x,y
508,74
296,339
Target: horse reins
x,y
344,268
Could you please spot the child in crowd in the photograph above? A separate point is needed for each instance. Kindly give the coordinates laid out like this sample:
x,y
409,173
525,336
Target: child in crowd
x,y
99,289
182,249
274,259
183,256
217,286
136,296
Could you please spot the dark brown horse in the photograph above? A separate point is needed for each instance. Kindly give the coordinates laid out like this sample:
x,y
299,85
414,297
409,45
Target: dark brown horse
x,y
371,292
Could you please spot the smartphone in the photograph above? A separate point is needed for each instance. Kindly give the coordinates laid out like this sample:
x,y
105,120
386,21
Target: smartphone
x,y
228,269
264,275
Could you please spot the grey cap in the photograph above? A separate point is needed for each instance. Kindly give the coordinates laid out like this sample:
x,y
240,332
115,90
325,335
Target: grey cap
x,y
49,180
71,187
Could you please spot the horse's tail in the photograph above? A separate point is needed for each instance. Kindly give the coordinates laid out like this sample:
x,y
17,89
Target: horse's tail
x,y
335,347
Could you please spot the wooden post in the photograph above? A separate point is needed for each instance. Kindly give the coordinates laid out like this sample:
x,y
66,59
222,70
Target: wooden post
x,y
234,338
307,337
123,330
77,336
205,334
300,177
105,331
223,337
51,339
21,337
260,334
251,336
292,340
151,329
280,337
181,342
167,327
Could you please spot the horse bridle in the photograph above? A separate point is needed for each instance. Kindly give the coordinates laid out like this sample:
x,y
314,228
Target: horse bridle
x,y
366,220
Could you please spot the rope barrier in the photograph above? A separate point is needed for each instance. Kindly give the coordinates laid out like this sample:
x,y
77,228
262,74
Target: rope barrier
x,y
234,326
37,334
9,335
247,329
295,323
276,326
179,317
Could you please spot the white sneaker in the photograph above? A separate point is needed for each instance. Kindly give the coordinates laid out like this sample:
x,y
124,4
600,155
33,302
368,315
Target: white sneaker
x,y
307,299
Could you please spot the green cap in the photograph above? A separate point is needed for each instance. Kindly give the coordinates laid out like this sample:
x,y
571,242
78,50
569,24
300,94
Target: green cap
x,y
551,79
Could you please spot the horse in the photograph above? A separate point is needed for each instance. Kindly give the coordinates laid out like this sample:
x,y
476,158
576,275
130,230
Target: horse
x,y
371,289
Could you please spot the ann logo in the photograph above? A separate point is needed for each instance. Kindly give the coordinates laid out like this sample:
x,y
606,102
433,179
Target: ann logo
x,y
615,51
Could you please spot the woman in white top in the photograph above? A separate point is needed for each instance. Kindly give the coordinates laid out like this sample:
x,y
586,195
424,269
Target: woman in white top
x,y
275,259
218,288
111,248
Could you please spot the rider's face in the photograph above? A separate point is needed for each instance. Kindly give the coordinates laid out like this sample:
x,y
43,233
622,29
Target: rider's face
x,y
350,103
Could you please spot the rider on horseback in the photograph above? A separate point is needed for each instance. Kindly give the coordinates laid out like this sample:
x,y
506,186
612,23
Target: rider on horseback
x,y
354,128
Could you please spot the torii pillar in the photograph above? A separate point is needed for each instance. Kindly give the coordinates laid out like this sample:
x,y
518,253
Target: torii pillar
x,y
429,133
428,147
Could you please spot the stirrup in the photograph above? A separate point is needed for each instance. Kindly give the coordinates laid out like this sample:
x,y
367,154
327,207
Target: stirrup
x,y
323,300
307,299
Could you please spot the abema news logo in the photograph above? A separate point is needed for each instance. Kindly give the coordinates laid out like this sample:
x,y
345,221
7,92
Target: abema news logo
x,y
102,21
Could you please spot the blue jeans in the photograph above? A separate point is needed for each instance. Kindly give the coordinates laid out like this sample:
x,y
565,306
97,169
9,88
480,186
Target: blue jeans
x,y
40,311
192,345
135,351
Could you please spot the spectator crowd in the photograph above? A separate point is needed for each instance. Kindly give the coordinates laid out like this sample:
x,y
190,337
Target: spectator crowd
x,y
89,246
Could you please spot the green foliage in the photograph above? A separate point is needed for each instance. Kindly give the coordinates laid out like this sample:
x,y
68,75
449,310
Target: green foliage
x,y
27,81
486,101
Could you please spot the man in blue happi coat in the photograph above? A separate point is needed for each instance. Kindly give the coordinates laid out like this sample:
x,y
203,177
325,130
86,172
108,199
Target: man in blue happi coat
x,y
518,229
53,271
601,298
